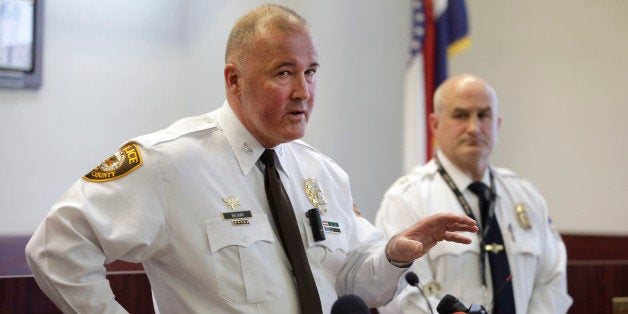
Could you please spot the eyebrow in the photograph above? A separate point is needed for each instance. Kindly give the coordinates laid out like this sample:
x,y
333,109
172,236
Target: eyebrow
x,y
292,64
459,109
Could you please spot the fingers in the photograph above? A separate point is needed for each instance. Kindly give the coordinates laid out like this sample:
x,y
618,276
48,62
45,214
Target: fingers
x,y
415,241
455,237
440,223
460,227
451,219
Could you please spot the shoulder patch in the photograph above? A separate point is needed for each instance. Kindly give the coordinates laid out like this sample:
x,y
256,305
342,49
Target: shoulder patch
x,y
127,159
356,211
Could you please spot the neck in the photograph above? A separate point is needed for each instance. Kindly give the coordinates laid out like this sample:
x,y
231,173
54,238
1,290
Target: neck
x,y
474,169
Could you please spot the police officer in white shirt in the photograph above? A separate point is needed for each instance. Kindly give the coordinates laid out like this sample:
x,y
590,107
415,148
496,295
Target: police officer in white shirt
x,y
189,202
465,125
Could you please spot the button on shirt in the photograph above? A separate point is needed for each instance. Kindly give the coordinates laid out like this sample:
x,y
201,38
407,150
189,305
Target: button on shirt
x,y
537,256
168,215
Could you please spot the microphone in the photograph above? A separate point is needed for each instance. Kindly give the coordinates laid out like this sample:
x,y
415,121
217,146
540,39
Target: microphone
x,y
450,304
413,280
350,304
316,224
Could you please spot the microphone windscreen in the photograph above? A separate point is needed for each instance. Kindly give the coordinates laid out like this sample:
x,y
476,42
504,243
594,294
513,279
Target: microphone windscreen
x,y
450,304
412,279
350,304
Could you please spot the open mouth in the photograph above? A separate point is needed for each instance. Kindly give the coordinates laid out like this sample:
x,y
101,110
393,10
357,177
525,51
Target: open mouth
x,y
296,112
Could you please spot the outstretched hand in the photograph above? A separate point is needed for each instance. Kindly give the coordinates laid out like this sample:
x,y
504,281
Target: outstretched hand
x,y
419,238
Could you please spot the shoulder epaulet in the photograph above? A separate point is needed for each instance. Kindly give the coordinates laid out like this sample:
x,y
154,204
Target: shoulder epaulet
x,y
311,148
504,172
179,128
510,176
129,156
416,175
427,170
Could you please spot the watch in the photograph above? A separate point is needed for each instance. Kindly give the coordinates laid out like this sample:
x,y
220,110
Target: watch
x,y
398,264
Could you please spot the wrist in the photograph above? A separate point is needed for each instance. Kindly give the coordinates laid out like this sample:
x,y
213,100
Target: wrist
x,y
392,261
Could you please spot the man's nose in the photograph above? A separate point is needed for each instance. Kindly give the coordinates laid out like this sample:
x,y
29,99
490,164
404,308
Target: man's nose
x,y
301,89
473,124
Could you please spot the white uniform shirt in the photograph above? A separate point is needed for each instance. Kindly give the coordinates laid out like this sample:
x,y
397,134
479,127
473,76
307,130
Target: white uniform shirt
x,y
537,257
168,215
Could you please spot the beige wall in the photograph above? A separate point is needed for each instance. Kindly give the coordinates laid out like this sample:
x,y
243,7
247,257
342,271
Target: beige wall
x,y
560,70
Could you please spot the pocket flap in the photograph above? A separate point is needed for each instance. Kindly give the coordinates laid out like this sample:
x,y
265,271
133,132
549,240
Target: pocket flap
x,y
333,240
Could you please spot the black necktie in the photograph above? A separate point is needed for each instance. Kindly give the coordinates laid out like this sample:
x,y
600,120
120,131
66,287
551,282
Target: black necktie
x,y
496,250
288,229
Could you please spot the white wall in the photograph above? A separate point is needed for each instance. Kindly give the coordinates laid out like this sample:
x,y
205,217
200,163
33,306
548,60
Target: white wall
x,y
117,69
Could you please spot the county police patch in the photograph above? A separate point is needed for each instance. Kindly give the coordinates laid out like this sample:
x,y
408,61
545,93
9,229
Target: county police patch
x,y
120,164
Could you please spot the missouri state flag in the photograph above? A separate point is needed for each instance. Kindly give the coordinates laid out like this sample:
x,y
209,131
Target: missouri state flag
x,y
439,31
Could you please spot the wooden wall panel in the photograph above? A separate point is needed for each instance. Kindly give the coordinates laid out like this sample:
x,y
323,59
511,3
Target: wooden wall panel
x,y
597,271
596,247
21,294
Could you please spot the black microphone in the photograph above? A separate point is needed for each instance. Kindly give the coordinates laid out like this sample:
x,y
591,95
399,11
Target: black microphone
x,y
316,224
477,309
450,304
413,280
350,304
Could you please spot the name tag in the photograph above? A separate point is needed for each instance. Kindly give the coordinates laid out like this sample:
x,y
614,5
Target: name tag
x,y
237,215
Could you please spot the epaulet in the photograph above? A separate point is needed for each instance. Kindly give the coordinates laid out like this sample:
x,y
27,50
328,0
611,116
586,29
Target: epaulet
x,y
505,173
129,156
425,171
311,148
180,128
417,174
512,177
402,184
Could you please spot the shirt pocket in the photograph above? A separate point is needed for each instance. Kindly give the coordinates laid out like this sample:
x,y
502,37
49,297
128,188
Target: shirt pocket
x,y
523,260
443,248
447,258
456,268
246,261
331,253
526,243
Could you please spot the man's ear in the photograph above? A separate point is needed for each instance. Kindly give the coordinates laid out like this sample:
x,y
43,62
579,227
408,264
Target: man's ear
x,y
232,81
433,122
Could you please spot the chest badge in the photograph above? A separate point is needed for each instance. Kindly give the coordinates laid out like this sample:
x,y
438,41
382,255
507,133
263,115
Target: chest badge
x,y
522,216
237,218
315,195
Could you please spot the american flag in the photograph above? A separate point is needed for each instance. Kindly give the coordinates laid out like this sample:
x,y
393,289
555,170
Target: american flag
x,y
439,30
